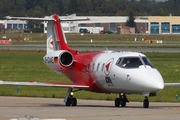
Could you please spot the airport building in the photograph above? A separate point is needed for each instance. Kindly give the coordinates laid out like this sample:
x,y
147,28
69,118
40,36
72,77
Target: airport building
x,y
117,24
164,24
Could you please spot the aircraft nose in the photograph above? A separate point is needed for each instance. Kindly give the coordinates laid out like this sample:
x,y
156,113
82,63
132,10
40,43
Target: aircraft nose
x,y
153,80
158,84
157,81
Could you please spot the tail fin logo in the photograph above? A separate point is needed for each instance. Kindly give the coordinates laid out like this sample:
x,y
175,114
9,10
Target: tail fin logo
x,y
107,67
50,43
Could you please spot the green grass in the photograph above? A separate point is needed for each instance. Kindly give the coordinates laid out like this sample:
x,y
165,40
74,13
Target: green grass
x,y
29,66
41,37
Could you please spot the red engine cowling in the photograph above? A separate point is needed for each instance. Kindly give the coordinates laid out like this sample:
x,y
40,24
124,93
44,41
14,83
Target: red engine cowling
x,y
58,60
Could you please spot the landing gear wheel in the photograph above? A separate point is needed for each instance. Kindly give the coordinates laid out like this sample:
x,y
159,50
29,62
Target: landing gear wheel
x,y
146,103
123,102
117,102
71,101
68,103
74,101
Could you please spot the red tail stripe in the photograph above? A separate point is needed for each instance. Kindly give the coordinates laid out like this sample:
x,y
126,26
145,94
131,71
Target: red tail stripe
x,y
60,35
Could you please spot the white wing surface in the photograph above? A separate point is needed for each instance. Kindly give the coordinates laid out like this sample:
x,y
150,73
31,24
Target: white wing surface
x,y
171,84
50,84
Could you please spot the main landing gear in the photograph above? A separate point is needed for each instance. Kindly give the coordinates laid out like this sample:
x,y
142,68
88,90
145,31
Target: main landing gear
x,y
121,100
69,99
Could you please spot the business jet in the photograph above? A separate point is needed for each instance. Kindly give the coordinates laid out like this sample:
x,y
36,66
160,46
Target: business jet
x,y
107,71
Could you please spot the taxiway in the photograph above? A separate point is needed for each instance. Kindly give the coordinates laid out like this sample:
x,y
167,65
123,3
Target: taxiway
x,y
53,108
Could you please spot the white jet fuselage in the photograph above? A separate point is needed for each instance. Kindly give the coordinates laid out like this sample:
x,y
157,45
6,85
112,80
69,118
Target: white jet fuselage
x,y
139,78
108,72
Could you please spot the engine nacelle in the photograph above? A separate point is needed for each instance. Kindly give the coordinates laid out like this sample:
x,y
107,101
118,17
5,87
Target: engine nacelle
x,y
58,60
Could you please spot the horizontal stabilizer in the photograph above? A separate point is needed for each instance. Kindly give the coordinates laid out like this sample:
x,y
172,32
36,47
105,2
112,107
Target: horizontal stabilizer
x,y
30,18
47,18
51,84
171,84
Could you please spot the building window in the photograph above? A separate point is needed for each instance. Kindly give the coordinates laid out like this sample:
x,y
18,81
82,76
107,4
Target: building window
x,y
71,28
165,28
25,26
66,28
154,28
176,29
112,27
97,25
82,25
20,26
15,26
9,26
147,26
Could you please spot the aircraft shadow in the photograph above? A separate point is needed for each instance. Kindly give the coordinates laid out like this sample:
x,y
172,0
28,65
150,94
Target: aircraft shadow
x,y
108,106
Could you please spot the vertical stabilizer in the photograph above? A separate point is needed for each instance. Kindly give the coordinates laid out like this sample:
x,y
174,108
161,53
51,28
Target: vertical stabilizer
x,y
56,39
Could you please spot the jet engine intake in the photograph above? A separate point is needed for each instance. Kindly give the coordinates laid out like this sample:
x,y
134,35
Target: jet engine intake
x,y
58,60
66,59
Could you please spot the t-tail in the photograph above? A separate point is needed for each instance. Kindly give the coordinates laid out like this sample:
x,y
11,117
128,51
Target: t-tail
x,y
56,39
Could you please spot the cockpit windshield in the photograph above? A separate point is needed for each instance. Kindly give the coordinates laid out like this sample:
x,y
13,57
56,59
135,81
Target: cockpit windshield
x,y
134,62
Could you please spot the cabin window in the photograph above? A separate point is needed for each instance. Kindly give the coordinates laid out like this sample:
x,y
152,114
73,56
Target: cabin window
x,y
93,66
102,67
98,66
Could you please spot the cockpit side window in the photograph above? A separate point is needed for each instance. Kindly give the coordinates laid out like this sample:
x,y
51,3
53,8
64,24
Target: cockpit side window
x,y
129,62
147,62
118,63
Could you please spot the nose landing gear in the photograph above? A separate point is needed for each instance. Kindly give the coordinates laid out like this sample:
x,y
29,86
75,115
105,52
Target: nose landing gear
x,y
146,102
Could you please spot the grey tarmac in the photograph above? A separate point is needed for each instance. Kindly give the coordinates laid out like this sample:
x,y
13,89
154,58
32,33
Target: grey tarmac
x,y
53,108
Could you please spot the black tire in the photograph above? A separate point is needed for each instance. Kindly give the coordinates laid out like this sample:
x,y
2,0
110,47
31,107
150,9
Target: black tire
x,y
146,103
123,102
74,101
117,102
68,103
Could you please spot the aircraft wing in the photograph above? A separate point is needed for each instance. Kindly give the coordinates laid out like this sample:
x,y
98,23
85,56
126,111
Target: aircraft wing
x,y
50,84
171,84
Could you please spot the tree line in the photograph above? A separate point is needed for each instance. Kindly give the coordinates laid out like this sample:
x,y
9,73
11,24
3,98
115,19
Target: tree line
x,y
40,8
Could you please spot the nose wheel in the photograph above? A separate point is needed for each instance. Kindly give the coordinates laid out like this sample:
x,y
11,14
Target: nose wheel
x,y
146,102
